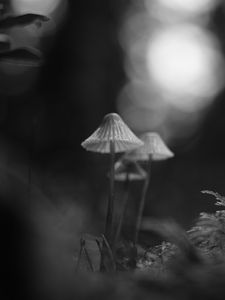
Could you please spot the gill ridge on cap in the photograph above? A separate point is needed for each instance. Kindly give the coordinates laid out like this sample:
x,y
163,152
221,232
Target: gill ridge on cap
x,y
154,145
113,129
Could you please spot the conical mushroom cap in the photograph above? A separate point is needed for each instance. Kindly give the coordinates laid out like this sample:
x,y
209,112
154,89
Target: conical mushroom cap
x,y
130,170
112,129
153,145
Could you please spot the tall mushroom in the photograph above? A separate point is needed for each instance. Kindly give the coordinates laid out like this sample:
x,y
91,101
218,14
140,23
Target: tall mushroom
x,y
126,171
154,149
112,136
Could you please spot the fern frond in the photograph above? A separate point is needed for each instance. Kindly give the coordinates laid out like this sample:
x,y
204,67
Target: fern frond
x,y
220,199
173,233
209,232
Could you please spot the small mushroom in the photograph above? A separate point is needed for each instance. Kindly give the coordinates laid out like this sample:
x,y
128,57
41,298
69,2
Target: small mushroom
x,y
126,171
112,136
153,145
154,149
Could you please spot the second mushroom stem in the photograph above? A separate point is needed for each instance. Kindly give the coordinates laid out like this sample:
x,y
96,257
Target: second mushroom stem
x,y
123,210
110,209
142,202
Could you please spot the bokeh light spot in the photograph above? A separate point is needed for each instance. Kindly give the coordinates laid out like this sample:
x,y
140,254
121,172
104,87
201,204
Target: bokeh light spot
x,y
185,62
188,7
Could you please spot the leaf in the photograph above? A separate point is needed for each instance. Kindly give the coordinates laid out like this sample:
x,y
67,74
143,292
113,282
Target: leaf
x,y
22,20
22,56
220,199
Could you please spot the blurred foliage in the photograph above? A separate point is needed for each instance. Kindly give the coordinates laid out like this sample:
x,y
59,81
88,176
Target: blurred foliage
x,y
24,56
188,265
22,20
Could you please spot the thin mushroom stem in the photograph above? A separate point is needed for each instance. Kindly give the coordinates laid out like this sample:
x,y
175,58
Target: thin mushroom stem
x,y
110,210
109,252
30,159
143,198
123,210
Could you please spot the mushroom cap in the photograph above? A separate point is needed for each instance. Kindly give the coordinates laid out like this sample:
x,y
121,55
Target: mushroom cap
x,y
153,145
112,129
130,170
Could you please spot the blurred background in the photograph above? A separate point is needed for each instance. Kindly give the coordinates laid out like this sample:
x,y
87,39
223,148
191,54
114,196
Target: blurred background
x,y
160,65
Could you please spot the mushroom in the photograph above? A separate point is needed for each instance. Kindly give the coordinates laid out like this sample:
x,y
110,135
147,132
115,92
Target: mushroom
x,y
112,136
126,170
154,149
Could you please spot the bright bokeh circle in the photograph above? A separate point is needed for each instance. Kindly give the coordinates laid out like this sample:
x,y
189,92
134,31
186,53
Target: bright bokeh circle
x,y
187,6
185,62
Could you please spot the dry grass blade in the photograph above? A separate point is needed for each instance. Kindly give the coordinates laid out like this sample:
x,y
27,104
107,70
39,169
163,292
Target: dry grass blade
x,y
83,252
